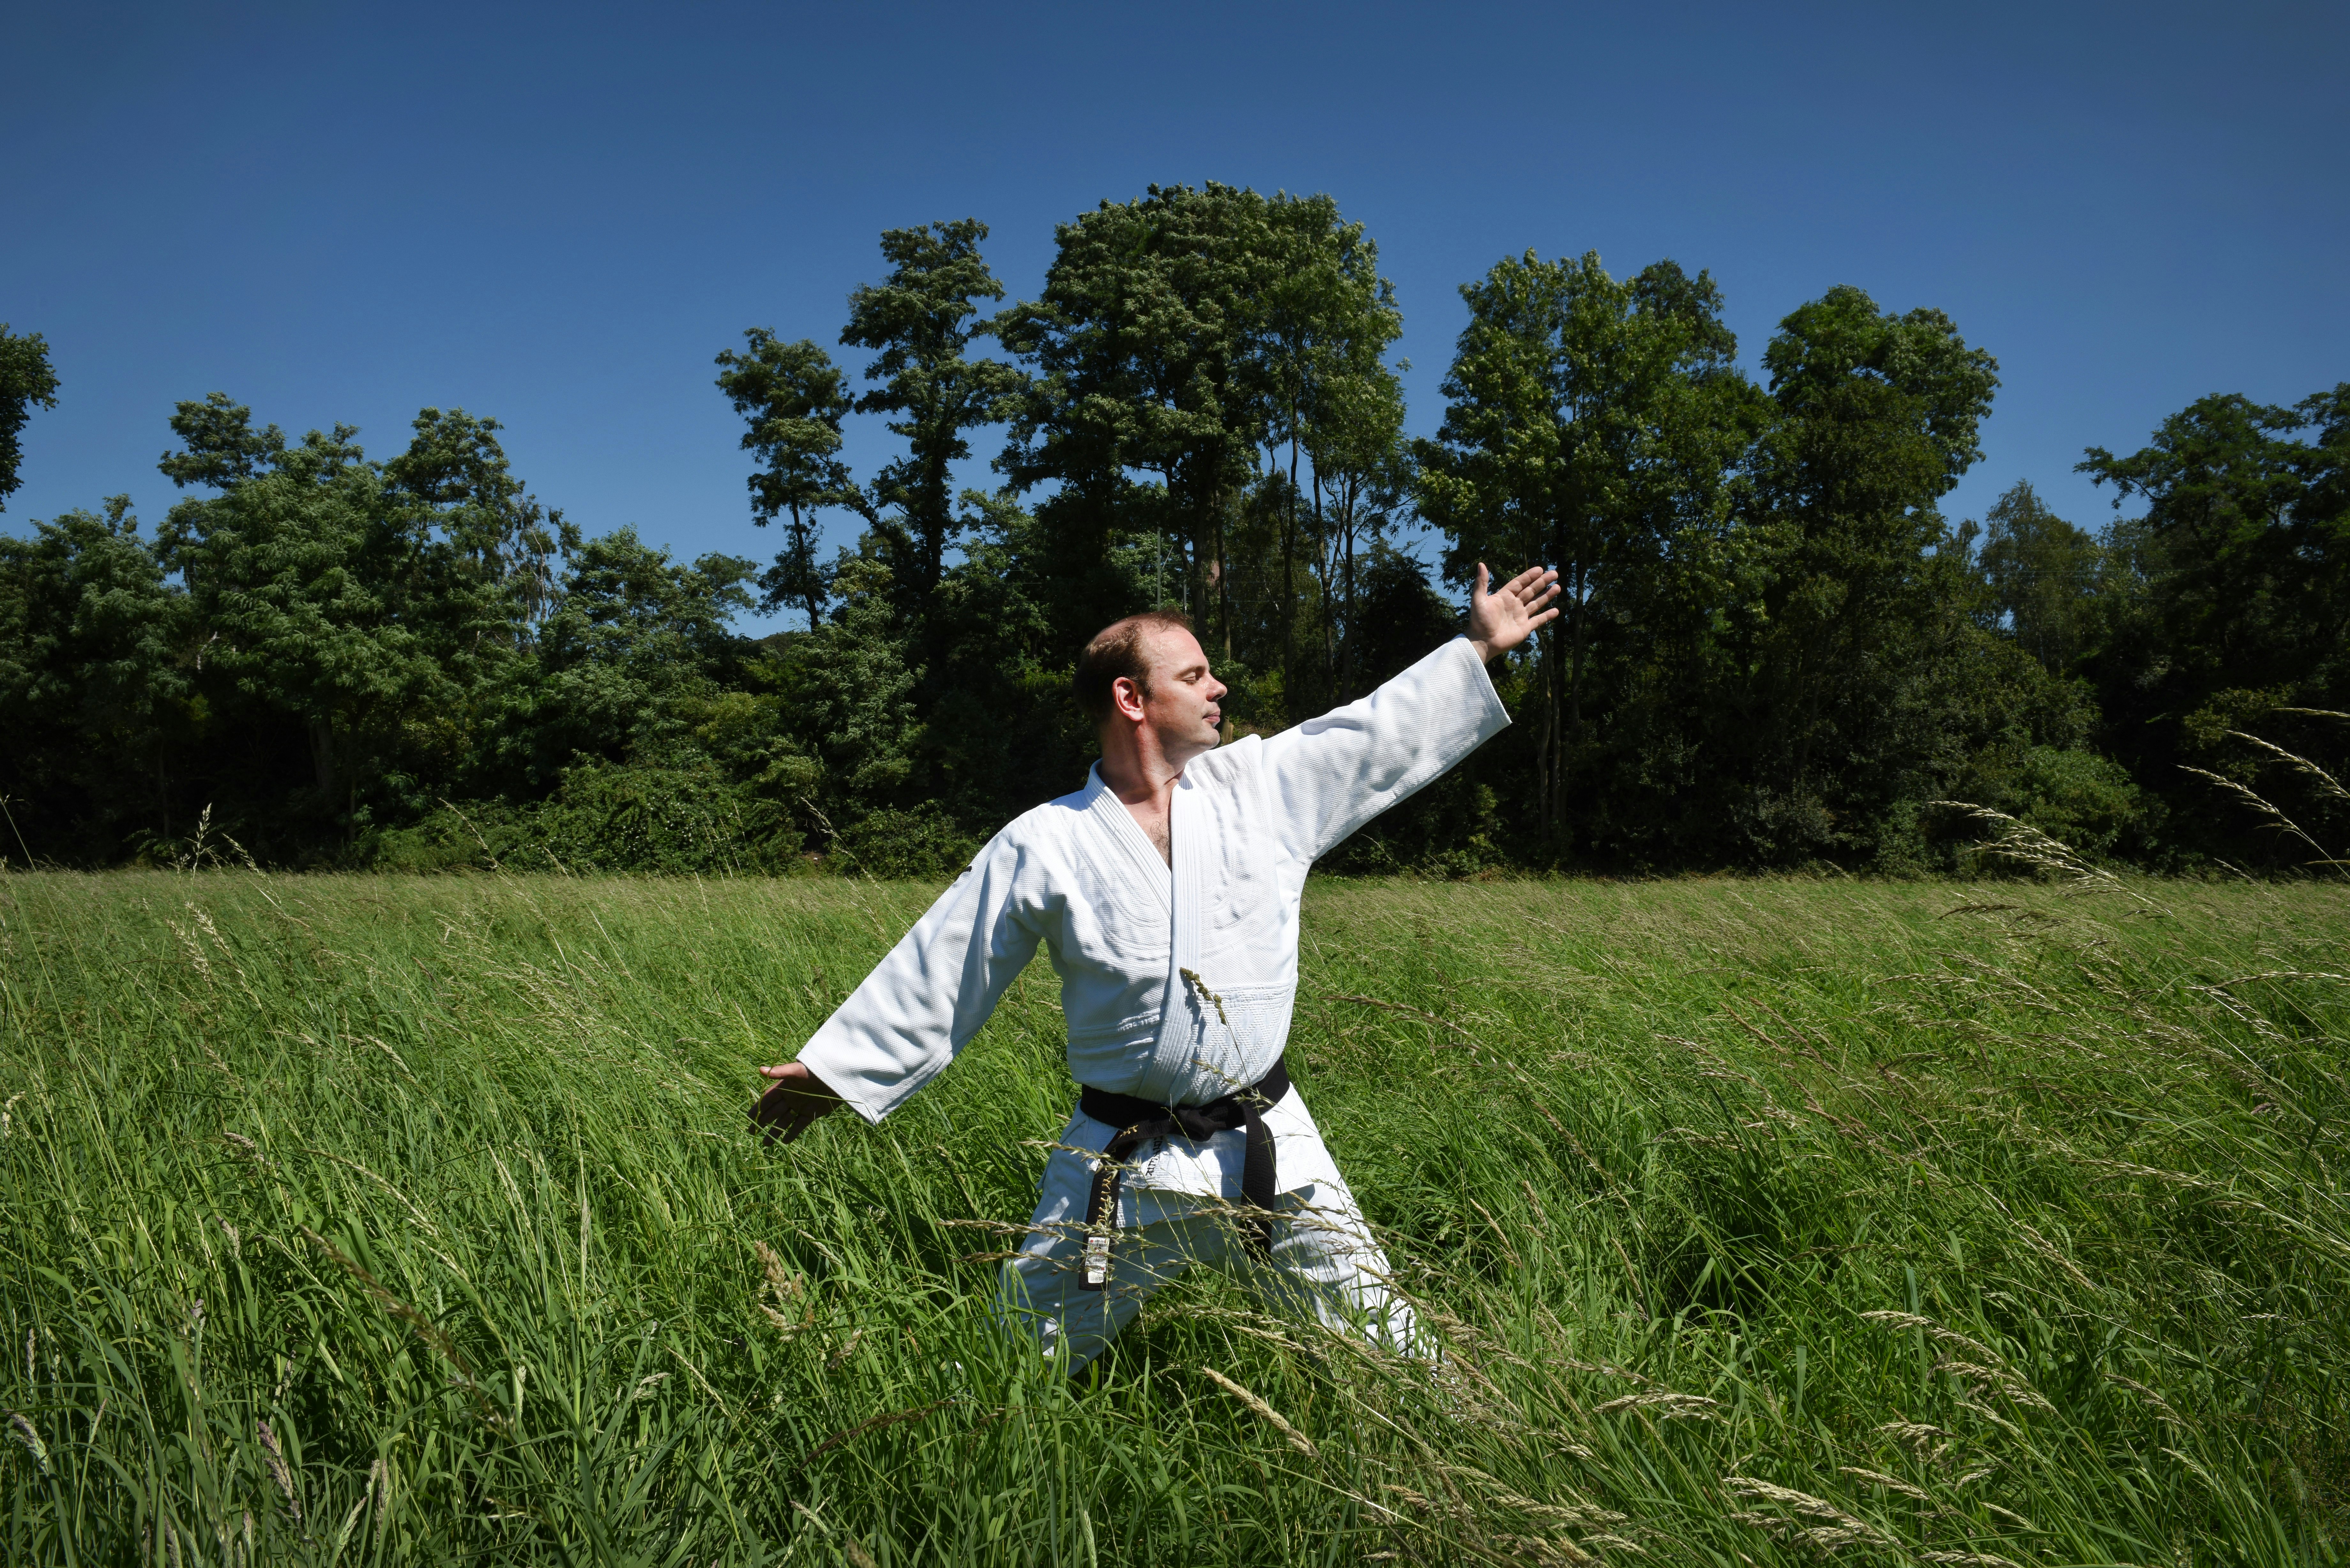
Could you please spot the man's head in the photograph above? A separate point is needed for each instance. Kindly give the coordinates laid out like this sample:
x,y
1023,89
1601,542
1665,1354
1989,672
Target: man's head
x,y
1145,679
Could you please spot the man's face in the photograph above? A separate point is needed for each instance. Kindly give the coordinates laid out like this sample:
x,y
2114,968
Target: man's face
x,y
1181,703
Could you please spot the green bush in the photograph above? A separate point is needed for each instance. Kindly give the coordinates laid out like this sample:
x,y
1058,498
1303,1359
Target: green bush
x,y
2077,796
893,844
2082,799
607,818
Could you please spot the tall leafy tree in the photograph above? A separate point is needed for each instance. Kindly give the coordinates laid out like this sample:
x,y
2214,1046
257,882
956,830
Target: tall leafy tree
x,y
1588,422
794,399
1362,479
300,574
26,382
93,688
1322,323
2245,541
508,547
1143,347
636,649
920,322
855,702
367,605
2043,574
2234,597
1878,415
219,447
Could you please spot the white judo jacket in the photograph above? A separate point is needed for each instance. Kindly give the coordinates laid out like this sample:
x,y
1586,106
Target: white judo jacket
x,y
1079,876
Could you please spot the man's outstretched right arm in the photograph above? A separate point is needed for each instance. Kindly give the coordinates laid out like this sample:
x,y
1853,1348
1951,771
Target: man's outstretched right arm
x,y
923,1002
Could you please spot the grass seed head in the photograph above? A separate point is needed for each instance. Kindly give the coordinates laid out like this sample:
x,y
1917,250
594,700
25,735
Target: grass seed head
x,y
273,1457
26,1435
1879,1478
1297,1440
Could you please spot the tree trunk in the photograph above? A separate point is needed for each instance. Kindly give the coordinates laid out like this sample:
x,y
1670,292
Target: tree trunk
x,y
322,754
805,548
1346,644
1223,586
1574,668
1331,604
1546,733
1289,587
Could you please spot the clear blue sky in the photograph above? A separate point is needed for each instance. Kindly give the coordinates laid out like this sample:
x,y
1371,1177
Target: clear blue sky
x,y
557,215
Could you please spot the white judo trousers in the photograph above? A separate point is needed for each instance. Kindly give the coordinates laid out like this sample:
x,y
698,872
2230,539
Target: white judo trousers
x,y
1321,1263
1177,985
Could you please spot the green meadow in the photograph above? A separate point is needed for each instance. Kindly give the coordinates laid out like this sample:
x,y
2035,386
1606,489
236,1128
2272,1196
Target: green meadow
x,y
372,1221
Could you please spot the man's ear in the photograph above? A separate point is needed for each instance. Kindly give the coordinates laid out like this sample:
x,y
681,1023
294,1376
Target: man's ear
x,y
1126,698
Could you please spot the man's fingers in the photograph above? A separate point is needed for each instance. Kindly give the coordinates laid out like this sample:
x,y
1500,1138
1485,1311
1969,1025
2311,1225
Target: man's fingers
x,y
782,1115
780,1070
1524,583
1483,588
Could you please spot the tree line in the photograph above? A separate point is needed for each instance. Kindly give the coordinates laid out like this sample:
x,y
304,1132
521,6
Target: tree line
x,y
1776,651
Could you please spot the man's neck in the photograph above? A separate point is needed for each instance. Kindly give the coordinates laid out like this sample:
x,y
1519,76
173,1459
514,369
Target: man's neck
x,y
1140,783
1143,776
1139,769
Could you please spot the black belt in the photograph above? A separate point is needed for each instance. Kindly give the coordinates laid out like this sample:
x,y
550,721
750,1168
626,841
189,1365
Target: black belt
x,y
1140,1120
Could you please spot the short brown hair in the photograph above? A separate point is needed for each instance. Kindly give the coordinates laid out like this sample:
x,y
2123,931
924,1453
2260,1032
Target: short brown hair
x,y
1119,650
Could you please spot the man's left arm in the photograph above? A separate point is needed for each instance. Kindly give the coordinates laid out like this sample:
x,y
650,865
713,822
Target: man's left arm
x,y
1330,775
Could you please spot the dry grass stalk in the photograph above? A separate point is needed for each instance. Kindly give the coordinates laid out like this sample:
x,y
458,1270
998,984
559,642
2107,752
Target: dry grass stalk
x,y
1297,1440
1196,983
2328,786
32,1441
2251,798
2013,1388
1914,1434
273,1457
872,1423
1418,1012
1802,1502
2161,1405
1664,1405
1616,1544
2027,846
424,1327
1934,1331
786,1290
1879,1478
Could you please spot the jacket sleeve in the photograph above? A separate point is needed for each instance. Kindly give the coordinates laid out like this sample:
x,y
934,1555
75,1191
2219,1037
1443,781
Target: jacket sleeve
x,y
923,1002
1328,776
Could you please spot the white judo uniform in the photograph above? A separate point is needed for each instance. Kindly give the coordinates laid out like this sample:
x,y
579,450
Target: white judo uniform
x,y
1079,877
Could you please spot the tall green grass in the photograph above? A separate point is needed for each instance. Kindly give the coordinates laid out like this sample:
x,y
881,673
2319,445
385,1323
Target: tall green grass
x,y
380,1220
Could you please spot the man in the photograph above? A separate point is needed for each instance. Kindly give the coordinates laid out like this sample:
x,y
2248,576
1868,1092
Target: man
x,y
1166,892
